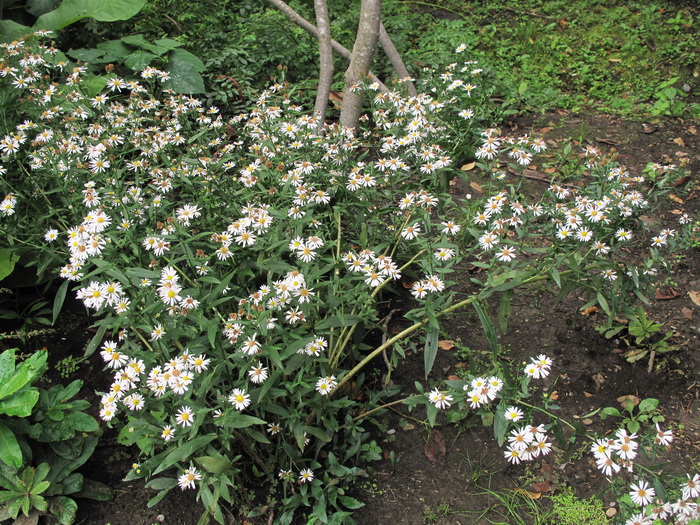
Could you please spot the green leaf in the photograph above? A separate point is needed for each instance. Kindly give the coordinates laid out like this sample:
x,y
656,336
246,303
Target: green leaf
x,y
70,11
161,483
338,320
139,59
184,69
58,300
91,56
430,350
10,452
20,404
184,451
114,51
487,326
95,490
648,405
64,509
83,422
238,420
11,30
8,259
505,309
213,464
7,365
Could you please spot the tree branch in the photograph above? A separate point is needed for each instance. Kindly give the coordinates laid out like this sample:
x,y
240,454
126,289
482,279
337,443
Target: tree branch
x,y
307,26
325,75
395,59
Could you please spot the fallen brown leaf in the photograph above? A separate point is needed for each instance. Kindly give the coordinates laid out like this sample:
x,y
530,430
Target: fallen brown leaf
x,y
436,449
453,378
527,493
687,312
676,198
446,344
599,380
476,187
664,294
680,142
692,130
554,395
626,400
589,311
468,167
695,297
587,394
543,486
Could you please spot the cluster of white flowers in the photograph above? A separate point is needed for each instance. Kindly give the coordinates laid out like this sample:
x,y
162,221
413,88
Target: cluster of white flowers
x,y
527,443
175,375
539,367
375,268
482,390
683,511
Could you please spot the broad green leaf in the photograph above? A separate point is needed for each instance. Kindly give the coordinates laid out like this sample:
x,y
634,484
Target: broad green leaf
x,y
10,452
70,11
184,69
168,43
64,509
91,56
82,422
139,59
8,259
161,483
213,464
7,365
140,41
20,404
95,490
39,7
648,405
11,30
114,50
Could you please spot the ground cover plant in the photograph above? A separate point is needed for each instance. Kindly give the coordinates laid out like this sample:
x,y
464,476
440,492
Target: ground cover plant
x,y
237,265
637,59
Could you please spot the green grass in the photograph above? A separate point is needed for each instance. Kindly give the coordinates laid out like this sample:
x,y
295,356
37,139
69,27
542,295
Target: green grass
x,y
573,54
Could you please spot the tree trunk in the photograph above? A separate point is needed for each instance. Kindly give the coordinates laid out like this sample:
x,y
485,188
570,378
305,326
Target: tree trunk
x,y
361,61
325,76
307,26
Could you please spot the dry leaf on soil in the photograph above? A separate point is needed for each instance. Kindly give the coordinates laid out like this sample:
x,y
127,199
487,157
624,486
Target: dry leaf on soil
x,y
446,344
436,449
680,142
468,167
531,495
695,297
476,187
687,312
625,400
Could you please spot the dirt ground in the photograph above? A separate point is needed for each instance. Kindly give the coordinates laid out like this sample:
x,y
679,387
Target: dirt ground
x,y
458,484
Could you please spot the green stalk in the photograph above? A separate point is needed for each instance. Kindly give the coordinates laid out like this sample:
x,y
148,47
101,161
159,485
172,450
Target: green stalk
x,y
346,333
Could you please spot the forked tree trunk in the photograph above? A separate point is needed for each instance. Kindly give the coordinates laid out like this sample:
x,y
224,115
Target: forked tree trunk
x,y
325,76
307,26
361,61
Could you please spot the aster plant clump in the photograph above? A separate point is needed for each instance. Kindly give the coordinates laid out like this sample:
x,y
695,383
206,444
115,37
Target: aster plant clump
x,y
235,266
